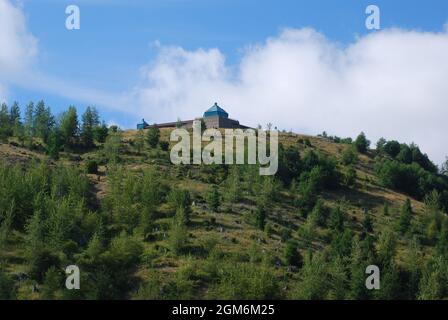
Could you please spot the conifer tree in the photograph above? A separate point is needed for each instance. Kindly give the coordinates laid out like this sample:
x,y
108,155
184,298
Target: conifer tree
x,y
153,136
405,219
213,198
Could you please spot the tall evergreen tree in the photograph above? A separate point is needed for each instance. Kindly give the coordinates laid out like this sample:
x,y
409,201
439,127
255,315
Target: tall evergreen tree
x,y
69,127
139,141
90,121
29,121
43,121
361,143
213,198
5,122
405,219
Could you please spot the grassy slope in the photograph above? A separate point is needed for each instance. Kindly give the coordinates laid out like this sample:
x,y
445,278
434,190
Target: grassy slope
x,y
233,232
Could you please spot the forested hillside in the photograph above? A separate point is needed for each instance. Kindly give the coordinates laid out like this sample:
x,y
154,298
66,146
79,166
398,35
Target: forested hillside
x,y
74,191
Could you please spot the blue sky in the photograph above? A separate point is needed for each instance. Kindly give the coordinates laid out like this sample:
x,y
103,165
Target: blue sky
x,y
116,36
127,53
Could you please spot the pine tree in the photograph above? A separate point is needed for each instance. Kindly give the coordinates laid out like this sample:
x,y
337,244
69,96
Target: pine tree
x,y
113,146
367,223
69,127
6,221
260,216
233,186
433,284
180,199
413,268
90,120
405,219
52,284
43,121
314,284
291,255
15,120
213,198
336,220
5,123
29,124
153,136
54,144
387,247
358,290
178,233
361,143
101,132
7,288
139,141
338,279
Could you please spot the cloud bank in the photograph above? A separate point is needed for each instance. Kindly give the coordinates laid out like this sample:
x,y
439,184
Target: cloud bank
x,y
391,83
18,46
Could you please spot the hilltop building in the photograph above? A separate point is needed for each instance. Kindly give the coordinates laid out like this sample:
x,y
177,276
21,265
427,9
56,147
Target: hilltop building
x,y
215,117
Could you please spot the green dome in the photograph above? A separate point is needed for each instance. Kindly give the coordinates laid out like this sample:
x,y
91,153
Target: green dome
x,y
216,110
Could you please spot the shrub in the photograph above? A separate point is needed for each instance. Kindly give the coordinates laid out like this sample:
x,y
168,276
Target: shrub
x,y
92,167
361,143
153,136
164,145
350,156
291,255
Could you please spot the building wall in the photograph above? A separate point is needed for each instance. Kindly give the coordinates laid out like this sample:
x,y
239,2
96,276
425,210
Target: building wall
x,y
210,122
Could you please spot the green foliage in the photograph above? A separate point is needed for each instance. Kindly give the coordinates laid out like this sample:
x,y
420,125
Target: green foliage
x,y
350,176
100,132
178,234
164,145
289,164
409,178
180,199
54,144
52,284
7,288
69,127
5,123
433,284
336,219
361,143
367,223
320,213
350,156
153,136
139,141
90,121
43,121
213,198
291,254
113,147
314,276
245,281
92,166
404,221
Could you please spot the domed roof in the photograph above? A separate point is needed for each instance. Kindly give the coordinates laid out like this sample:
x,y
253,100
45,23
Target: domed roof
x,y
216,110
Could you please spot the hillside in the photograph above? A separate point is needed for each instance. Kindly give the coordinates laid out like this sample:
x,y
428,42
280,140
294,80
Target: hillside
x,y
137,235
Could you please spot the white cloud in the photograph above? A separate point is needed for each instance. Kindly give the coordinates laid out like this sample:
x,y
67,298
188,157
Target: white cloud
x,y
18,46
391,83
